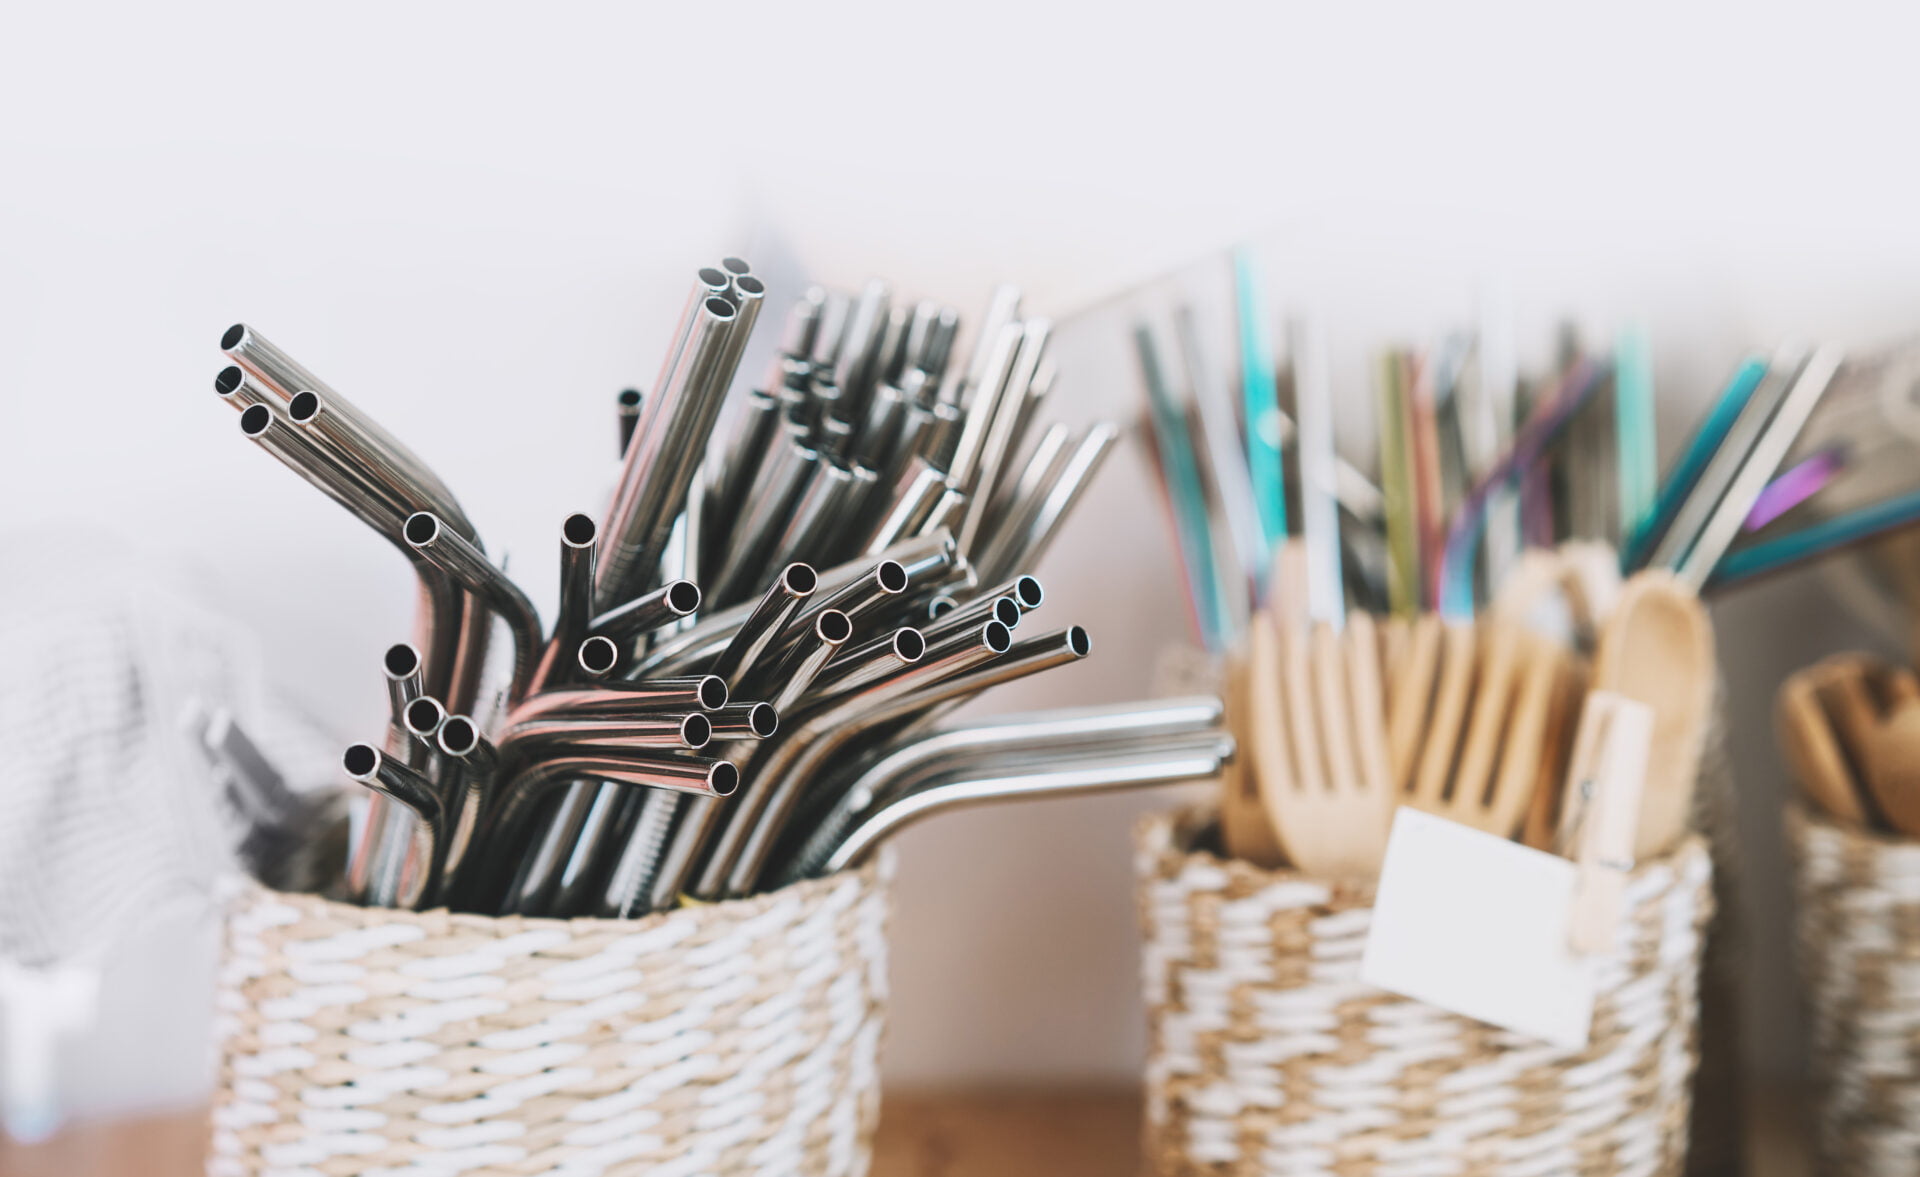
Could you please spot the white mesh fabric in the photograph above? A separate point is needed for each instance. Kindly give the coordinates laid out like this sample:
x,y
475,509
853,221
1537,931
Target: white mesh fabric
x,y
105,803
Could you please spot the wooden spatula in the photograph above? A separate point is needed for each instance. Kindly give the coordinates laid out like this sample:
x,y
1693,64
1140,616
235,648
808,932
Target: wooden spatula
x,y
1656,647
1325,793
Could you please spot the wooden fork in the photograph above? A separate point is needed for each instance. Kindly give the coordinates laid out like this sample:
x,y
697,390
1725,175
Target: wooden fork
x,y
1470,747
1318,743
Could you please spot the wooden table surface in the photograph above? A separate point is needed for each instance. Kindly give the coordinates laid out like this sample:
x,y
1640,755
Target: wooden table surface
x,y
1081,1133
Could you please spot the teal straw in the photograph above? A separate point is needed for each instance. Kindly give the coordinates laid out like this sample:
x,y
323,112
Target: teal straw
x,y
1185,494
1700,450
1260,397
1635,442
1817,540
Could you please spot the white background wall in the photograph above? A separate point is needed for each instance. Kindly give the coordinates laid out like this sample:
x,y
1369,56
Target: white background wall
x,y
478,220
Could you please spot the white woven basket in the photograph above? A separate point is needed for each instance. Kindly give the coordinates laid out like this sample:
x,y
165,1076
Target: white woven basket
x,y
1269,1056
1859,941
738,1038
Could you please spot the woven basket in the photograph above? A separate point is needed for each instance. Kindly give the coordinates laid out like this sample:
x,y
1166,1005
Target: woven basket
x,y
1859,937
1268,1055
738,1038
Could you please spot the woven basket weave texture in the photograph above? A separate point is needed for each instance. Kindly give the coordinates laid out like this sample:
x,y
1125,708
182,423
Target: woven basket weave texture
x,y
738,1038
1268,1055
1859,948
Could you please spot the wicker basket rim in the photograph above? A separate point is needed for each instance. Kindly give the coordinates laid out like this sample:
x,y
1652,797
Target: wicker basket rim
x,y
1799,810
878,869
1168,834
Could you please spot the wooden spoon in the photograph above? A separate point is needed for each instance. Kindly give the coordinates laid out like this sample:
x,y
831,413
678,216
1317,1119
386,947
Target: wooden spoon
x,y
1656,647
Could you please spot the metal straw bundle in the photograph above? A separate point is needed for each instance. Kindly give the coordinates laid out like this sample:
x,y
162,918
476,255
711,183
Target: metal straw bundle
x,y
774,593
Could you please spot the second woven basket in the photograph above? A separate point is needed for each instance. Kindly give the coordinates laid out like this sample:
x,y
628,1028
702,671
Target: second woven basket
x,y
1267,1055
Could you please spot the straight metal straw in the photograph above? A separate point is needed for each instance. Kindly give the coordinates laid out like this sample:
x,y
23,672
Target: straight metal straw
x,y
667,444
579,539
762,627
648,612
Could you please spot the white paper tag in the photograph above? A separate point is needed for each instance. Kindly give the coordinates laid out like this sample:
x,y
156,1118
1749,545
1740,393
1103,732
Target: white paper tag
x,y
1479,925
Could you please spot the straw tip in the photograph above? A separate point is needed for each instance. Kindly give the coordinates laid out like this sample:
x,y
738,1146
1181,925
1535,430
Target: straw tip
x,y
424,716
833,626
597,655
696,730
255,419
361,761
421,528
763,719
401,660
723,778
683,598
578,530
799,579
459,735
231,338
712,692
229,380
996,637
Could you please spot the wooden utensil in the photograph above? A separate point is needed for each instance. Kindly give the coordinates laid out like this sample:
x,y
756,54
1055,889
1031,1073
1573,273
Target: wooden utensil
x,y
1544,813
1890,755
1245,831
1811,746
1483,735
1656,647
1331,822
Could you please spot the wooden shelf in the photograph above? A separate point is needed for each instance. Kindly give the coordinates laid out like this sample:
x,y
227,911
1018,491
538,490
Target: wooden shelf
x,y
1088,1132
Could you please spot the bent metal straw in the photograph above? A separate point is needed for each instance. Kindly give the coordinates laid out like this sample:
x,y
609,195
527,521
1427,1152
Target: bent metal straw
x,y
874,470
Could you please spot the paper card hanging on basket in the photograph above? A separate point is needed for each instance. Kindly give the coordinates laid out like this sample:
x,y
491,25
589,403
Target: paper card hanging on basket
x,y
1501,933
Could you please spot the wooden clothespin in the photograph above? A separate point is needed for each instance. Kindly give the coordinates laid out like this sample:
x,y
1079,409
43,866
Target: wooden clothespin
x,y
1602,810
